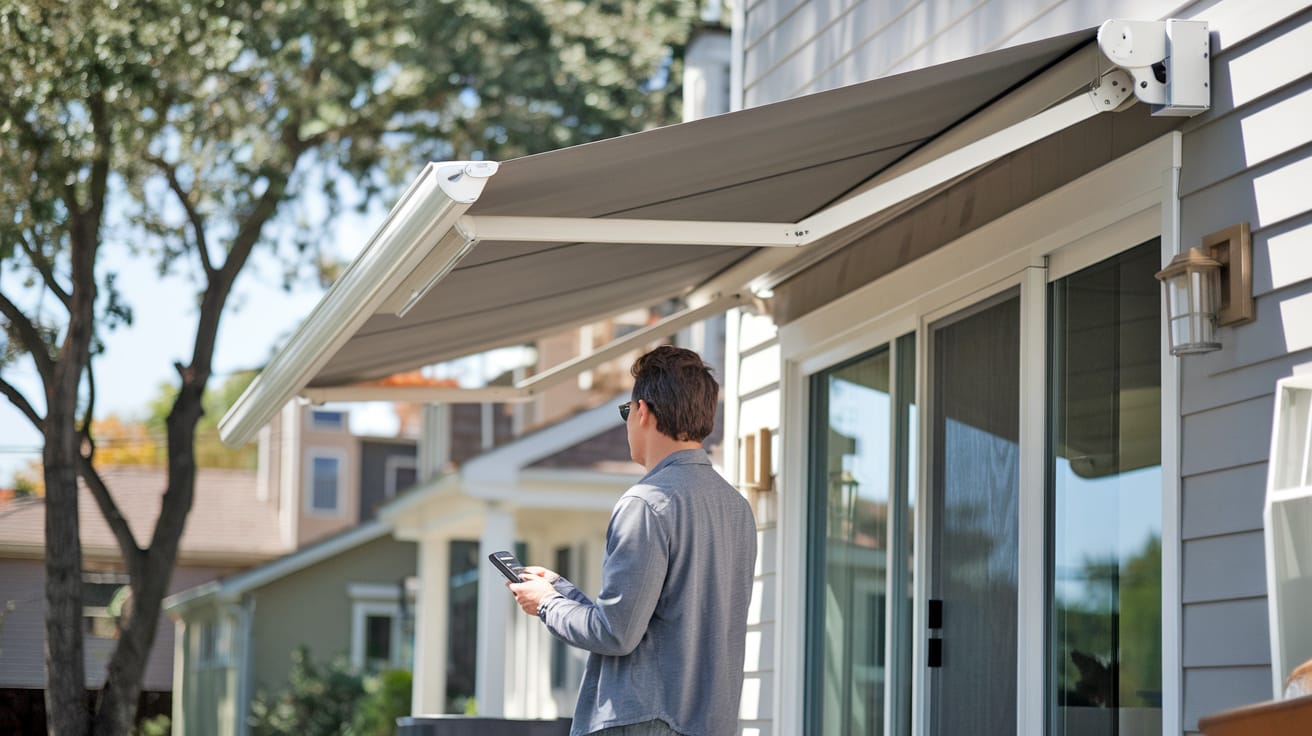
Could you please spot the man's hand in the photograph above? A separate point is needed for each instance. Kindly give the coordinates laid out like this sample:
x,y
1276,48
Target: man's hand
x,y
535,588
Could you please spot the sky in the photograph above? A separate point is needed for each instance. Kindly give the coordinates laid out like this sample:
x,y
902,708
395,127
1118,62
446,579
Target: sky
x,y
137,359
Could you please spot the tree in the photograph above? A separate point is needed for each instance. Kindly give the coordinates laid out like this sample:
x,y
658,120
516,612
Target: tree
x,y
184,130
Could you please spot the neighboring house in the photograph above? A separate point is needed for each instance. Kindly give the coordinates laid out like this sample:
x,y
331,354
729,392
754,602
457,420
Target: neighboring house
x,y
995,503
229,528
345,595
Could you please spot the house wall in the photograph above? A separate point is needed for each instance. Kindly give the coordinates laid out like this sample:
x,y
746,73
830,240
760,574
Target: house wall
x,y
1247,159
374,454
796,47
314,525
22,631
752,403
313,608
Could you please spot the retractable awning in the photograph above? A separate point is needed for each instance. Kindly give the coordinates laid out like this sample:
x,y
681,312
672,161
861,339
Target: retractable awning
x,y
482,255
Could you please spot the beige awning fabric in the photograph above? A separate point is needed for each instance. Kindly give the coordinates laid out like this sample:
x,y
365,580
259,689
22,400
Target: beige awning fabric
x,y
776,163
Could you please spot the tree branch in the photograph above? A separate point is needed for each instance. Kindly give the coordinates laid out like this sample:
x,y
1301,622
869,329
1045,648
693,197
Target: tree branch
x,y
47,271
31,337
17,398
197,223
127,543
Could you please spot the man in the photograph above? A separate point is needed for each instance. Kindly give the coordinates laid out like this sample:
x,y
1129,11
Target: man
x,y
666,633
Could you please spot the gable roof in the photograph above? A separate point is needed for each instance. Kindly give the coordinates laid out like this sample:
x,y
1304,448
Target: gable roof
x,y
232,587
228,523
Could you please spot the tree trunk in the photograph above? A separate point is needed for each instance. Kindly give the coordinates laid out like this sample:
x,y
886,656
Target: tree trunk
x,y
117,709
66,708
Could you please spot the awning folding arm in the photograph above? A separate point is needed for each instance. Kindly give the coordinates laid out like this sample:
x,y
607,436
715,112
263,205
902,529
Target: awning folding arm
x,y
533,385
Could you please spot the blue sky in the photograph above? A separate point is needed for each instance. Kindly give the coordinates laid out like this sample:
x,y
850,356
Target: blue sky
x,y
139,358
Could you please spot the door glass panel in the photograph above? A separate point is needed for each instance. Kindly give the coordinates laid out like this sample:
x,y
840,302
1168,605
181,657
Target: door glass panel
x,y
974,485
860,540
1105,494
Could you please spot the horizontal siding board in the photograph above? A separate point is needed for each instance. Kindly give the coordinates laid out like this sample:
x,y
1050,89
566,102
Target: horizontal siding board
x,y
1282,255
1226,634
758,697
1263,196
1224,567
1224,437
1211,690
1251,136
1208,385
1282,328
1001,23
1261,65
1223,502
762,17
845,53
1233,22
760,648
1205,389
761,609
778,46
759,370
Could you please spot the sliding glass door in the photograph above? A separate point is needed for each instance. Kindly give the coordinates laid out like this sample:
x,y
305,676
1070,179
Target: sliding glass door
x,y
860,582
1104,484
974,493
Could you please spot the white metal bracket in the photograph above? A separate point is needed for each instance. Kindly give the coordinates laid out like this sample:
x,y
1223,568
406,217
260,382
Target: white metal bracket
x,y
1168,59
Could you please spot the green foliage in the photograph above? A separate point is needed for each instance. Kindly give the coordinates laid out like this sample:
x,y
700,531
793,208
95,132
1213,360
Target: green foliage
x,y
332,700
184,134
320,700
387,698
160,725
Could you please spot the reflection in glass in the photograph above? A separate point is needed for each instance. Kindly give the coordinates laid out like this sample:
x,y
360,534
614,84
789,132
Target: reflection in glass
x,y
1105,486
862,447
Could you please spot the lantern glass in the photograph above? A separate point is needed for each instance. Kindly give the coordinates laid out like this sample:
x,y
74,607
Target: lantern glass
x,y
1192,288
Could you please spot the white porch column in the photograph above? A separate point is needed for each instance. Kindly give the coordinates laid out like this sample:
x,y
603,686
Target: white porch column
x,y
429,693
494,608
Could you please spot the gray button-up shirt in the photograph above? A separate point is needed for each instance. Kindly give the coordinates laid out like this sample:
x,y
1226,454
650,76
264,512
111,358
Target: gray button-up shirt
x,y
667,632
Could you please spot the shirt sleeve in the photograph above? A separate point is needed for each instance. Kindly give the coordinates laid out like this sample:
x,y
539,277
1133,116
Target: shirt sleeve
x,y
567,589
632,578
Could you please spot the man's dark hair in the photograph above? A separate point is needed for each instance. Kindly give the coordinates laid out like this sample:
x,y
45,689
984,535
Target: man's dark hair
x,y
680,390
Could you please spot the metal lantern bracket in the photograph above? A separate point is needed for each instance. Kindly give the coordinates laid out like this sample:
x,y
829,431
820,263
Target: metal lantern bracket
x,y
1168,59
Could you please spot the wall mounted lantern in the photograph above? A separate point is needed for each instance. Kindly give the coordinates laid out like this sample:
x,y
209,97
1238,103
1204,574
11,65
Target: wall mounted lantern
x,y
1209,287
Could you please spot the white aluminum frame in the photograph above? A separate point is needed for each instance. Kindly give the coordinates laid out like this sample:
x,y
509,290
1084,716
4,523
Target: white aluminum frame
x,y
1105,212
414,249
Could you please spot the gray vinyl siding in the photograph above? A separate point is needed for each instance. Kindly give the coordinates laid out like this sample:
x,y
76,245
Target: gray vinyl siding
x,y
795,47
1248,159
23,633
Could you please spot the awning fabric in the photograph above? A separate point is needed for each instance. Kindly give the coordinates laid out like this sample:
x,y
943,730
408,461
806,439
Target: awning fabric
x,y
775,163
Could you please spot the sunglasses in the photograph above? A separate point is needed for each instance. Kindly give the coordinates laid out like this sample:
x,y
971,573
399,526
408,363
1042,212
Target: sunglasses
x,y
624,409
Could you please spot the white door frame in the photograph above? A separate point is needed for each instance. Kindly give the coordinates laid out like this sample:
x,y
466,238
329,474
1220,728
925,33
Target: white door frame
x,y
1119,205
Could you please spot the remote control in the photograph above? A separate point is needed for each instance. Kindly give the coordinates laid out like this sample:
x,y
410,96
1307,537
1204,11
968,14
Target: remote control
x,y
508,565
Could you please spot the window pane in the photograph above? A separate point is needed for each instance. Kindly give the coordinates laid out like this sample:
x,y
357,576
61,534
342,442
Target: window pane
x,y
1105,495
324,491
378,640
849,543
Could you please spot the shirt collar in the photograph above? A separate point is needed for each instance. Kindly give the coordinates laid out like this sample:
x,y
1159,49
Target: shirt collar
x,y
696,456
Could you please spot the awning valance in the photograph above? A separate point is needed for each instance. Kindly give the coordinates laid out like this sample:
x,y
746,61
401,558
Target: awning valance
x,y
796,163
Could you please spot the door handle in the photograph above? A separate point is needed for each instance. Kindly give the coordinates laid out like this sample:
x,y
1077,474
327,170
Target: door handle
x,y
934,652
